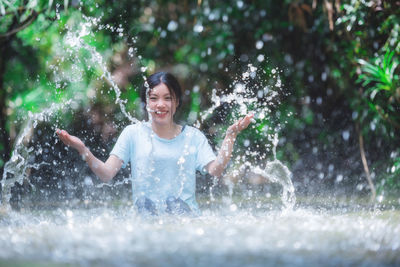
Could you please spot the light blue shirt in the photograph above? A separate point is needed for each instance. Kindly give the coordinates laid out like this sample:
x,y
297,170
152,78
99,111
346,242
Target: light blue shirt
x,y
164,167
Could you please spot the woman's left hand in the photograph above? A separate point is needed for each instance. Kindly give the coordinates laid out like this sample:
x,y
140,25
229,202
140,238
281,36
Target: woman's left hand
x,y
240,125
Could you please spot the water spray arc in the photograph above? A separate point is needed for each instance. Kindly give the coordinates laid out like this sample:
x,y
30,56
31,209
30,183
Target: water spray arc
x,y
242,99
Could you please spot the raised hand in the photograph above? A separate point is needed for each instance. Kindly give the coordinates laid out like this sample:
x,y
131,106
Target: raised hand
x,y
104,170
71,140
217,166
240,125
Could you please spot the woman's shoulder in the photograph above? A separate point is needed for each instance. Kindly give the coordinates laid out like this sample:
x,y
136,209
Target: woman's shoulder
x,y
194,131
136,128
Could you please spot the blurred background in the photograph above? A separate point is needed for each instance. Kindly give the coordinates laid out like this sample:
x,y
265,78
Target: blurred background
x,y
333,64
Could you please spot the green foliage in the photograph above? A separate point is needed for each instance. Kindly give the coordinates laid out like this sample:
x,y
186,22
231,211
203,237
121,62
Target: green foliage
x,y
372,58
53,71
352,67
382,85
382,73
381,96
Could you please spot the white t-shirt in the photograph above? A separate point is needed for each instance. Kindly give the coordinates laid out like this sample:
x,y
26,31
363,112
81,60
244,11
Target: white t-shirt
x,y
164,167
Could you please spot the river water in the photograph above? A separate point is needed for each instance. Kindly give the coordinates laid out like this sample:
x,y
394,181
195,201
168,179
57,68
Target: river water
x,y
117,236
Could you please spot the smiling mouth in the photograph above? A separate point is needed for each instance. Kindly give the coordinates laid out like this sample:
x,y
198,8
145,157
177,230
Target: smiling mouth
x,y
160,112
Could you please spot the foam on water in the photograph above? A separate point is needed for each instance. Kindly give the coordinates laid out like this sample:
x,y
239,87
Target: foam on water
x,y
118,237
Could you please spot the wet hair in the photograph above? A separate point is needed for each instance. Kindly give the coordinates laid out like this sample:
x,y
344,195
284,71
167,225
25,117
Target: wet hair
x,y
166,78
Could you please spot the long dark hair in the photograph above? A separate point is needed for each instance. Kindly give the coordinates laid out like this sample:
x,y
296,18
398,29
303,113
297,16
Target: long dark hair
x,y
166,78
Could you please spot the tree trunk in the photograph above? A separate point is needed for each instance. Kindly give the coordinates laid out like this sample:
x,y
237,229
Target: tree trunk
x,y
365,164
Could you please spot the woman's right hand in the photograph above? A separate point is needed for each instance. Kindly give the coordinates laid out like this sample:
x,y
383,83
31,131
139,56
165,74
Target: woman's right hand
x,y
104,170
71,141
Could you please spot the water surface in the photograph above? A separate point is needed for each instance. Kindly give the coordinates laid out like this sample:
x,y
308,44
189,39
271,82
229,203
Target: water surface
x,y
219,237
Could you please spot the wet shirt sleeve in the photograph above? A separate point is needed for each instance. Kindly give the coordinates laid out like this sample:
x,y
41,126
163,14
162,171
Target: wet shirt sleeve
x,y
205,154
122,146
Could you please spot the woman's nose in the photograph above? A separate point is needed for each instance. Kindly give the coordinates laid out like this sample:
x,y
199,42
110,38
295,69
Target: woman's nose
x,y
160,103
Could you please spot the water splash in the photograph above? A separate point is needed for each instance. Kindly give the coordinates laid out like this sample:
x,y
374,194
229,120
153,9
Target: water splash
x,y
16,169
276,172
117,237
249,94
75,41
243,97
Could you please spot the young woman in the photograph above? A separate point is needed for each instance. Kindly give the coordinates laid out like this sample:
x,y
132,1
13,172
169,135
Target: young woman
x,y
164,155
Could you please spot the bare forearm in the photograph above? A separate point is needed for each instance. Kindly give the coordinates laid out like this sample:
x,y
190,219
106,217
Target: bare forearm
x,y
103,170
217,167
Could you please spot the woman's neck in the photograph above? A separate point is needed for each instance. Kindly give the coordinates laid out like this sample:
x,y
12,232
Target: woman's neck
x,y
168,131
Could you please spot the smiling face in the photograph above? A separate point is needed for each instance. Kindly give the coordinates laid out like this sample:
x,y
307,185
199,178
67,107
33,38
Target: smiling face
x,y
161,104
